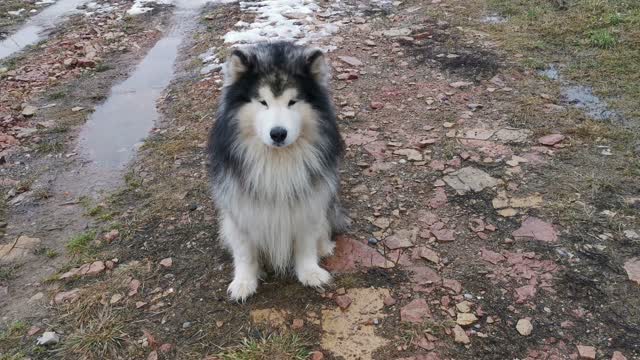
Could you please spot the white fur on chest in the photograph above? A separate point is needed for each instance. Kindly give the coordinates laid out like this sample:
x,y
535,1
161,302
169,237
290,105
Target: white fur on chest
x,y
282,205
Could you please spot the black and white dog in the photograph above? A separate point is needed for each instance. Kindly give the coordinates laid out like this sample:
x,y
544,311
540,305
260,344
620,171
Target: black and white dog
x,y
274,154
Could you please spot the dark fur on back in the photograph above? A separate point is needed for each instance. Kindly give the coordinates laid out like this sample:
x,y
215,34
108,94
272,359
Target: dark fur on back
x,y
278,65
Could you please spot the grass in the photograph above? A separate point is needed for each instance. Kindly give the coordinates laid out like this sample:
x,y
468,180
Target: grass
x,y
101,338
81,243
10,340
7,272
50,147
602,38
273,347
597,40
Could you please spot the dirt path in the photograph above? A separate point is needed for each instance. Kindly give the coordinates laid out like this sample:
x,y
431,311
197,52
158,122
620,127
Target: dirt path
x,y
494,208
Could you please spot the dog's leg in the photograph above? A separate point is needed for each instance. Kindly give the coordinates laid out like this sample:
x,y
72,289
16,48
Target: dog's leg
x,y
306,255
325,246
245,261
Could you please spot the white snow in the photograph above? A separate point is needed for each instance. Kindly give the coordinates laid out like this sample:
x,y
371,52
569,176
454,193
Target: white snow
x,y
280,20
15,13
140,6
45,2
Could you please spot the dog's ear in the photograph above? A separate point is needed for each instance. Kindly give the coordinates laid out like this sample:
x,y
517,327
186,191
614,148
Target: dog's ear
x,y
237,64
317,65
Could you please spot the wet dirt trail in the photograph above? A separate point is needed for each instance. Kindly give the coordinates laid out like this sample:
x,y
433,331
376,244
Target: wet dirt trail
x,y
32,32
105,144
494,205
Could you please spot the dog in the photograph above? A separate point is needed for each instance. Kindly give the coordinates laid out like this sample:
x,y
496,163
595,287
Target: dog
x,y
274,152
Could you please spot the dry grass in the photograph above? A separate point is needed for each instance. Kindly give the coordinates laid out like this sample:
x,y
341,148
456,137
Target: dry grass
x,y
274,347
599,41
102,337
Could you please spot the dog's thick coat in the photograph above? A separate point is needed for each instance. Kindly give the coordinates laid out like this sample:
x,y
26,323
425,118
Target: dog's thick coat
x,y
274,154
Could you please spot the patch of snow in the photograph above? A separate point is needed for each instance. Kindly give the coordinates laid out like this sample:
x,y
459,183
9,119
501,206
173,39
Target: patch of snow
x,y
45,2
141,6
291,20
15,13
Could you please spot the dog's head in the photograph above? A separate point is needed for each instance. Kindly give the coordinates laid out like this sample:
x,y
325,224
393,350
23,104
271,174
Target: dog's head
x,y
275,88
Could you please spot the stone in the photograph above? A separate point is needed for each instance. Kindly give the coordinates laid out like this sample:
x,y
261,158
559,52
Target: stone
x,y
134,284
631,235
536,229
524,327
111,235
33,330
393,32
465,319
617,355
66,296
115,298
470,179
512,135
415,312
297,324
477,134
401,239
464,306
389,301
350,254
350,60
460,84
22,247
632,267
551,140
95,268
429,254
29,111
411,154
460,336
166,263
375,105
382,222
491,256
317,355
586,352
443,235
343,301
48,338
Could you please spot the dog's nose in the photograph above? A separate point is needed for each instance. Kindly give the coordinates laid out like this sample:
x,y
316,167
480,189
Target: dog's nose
x,y
278,134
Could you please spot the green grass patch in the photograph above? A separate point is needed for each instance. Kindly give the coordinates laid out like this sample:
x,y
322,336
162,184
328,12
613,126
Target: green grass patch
x,y
269,348
602,38
597,40
81,243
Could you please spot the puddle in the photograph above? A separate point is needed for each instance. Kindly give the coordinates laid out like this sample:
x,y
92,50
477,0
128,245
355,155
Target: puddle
x,y
550,73
32,32
493,19
109,139
581,96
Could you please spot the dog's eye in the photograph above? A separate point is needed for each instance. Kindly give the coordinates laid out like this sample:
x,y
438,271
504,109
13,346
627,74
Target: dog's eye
x,y
263,103
292,102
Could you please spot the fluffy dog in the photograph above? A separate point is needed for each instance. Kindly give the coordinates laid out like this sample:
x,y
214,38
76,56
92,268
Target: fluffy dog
x,y
274,155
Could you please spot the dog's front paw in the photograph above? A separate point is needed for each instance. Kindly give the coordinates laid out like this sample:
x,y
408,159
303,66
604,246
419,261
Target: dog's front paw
x,y
314,276
241,289
326,248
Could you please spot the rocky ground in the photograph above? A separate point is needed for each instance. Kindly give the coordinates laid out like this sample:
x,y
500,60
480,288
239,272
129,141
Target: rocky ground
x,y
495,201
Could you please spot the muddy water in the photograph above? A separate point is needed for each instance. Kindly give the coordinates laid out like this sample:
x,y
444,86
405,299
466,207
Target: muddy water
x,y
113,133
581,97
32,31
